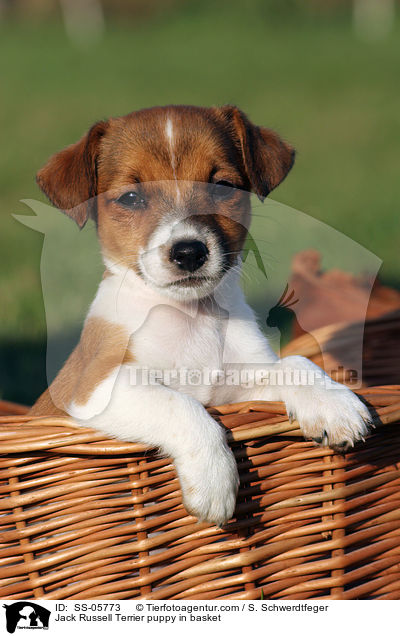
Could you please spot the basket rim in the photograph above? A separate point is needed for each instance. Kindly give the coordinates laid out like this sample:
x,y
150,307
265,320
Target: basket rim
x,y
62,434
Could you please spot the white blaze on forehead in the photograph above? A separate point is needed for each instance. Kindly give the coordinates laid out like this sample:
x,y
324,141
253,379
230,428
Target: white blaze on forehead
x,y
169,131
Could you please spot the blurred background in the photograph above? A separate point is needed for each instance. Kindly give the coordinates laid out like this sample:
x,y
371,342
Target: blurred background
x,y
325,74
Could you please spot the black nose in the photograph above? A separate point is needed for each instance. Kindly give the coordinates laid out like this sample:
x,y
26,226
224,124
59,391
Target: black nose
x,y
189,255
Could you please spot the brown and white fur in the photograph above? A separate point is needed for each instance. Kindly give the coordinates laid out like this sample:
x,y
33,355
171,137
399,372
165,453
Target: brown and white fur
x,y
139,177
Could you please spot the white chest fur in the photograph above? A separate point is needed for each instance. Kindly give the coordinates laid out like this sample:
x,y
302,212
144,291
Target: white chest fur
x,y
188,347
166,335
171,338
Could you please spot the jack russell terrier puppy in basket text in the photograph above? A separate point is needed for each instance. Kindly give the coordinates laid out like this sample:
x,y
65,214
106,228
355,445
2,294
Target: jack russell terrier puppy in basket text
x,y
169,191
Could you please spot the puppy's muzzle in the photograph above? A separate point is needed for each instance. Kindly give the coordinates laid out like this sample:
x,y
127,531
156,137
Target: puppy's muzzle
x,y
188,255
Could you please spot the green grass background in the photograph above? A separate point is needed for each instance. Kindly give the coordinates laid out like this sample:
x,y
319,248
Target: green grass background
x,y
334,96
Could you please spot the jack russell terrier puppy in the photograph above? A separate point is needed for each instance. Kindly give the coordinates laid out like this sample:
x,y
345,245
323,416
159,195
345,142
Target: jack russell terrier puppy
x,y
169,191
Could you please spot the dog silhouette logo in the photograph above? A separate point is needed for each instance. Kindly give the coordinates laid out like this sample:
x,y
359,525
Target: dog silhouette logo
x,y
26,615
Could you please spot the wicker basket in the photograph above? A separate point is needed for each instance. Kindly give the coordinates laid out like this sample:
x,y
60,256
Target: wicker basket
x,y
87,517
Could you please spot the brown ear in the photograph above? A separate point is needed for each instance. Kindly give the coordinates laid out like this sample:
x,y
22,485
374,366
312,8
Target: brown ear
x,y
69,178
266,157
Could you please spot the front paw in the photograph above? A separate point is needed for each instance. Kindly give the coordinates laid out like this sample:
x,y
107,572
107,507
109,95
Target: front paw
x,y
209,481
331,417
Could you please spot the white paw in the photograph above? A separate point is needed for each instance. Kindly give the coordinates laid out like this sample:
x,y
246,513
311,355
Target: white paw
x,y
330,416
209,480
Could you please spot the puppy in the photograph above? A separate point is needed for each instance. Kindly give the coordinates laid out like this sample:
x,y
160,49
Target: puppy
x,y
169,191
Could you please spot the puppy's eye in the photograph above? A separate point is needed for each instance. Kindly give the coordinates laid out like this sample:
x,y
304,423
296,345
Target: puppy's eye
x,y
223,190
131,200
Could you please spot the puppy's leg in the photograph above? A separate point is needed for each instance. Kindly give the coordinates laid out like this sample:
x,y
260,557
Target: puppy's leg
x,y
180,426
326,411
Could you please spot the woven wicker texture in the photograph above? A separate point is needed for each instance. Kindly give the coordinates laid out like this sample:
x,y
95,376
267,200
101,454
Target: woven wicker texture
x,y
87,517
332,348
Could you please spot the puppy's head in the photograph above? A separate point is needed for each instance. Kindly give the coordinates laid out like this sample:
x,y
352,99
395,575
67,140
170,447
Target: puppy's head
x,y
169,190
